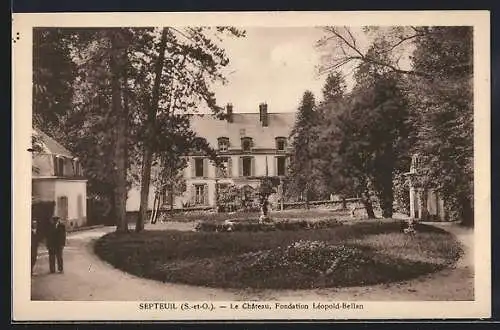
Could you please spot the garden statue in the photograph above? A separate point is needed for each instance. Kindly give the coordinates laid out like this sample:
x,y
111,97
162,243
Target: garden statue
x,y
264,210
266,189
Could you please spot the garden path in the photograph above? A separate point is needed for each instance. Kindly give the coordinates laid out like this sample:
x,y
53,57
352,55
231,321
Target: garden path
x,y
87,277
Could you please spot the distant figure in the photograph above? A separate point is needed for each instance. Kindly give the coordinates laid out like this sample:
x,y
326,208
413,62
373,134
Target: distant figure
x,y
353,211
56,240
34,243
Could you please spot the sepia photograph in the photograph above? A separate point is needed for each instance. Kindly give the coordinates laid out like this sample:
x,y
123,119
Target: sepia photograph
x,y
216,169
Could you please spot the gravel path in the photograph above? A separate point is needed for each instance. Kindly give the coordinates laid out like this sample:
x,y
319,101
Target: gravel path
x,y
87,277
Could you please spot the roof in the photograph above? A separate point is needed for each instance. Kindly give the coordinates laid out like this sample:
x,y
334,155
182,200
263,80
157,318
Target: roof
x,y
51,146
279,125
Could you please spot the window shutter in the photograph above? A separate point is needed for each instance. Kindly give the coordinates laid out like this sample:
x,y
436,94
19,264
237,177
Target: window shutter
x,y
240,166
205,194
287,165
252,169
54,164
275,166
205,167
229,167
193,167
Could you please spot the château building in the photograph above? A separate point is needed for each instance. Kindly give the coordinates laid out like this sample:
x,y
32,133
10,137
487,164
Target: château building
x,y
251,145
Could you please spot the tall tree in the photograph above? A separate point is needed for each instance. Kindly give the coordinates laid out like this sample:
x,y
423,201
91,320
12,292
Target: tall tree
x,y
187,62
303,137
436,65
334,88
147,157
444,116
53,76
102,100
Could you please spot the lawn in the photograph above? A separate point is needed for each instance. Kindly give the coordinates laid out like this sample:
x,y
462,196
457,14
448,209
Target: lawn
x,y
362,253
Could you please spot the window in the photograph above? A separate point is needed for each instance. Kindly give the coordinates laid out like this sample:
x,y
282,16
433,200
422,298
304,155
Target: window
x,y
281,144
247,166
79,205
62,207
224,170
246,144
198,167
223,144
281,166
200,194
59,166
76,168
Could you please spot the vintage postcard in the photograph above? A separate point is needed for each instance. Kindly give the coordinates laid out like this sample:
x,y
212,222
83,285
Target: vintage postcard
x,y
251,166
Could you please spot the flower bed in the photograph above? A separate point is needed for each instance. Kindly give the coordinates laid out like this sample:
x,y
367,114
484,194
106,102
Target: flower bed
x,y
318,256
254,225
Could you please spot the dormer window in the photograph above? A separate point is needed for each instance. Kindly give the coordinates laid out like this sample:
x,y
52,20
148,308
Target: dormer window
x,y
76,167
199,144
59,166
280,143
246,144
223,144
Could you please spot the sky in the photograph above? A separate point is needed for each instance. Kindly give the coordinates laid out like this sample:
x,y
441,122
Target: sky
x,y
272,65
277,65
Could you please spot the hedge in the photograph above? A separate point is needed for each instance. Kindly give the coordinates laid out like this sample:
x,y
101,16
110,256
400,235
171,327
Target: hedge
x,y
255,225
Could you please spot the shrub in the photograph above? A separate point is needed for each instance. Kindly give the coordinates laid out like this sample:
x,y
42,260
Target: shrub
x,y
254,225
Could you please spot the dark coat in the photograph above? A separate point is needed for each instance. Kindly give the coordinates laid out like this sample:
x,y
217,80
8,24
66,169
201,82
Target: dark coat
x,y
56,236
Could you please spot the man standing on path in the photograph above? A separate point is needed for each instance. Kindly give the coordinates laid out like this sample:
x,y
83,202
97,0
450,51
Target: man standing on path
x,y
56,240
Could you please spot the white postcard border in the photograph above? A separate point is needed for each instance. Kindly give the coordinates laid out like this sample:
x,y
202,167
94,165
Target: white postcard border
x,y
25,309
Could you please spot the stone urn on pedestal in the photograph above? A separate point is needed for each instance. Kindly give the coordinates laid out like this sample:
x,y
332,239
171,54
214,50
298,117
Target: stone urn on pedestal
x,y
418,194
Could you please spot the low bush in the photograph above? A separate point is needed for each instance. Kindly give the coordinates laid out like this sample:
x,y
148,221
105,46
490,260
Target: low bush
x,y
255,225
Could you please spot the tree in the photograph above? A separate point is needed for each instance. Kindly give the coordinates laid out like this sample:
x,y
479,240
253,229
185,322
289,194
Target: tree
x,y
151,116
444,115
334,88
167,177
191,60
438,84
303,136
53,76
102,99
361,148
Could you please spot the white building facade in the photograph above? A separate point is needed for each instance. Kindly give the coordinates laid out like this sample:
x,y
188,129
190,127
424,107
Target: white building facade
x,y
250,145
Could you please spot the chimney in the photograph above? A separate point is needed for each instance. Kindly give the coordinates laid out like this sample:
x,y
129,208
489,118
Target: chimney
x,y
263,114
229,112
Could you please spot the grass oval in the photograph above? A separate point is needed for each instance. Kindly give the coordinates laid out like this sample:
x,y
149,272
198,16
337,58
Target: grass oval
x,y
218,259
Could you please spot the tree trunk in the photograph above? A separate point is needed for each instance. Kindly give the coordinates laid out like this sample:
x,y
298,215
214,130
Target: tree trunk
x,y
152,218
171,199
159,202
147,161
307,198
150,128
120,115
467,212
